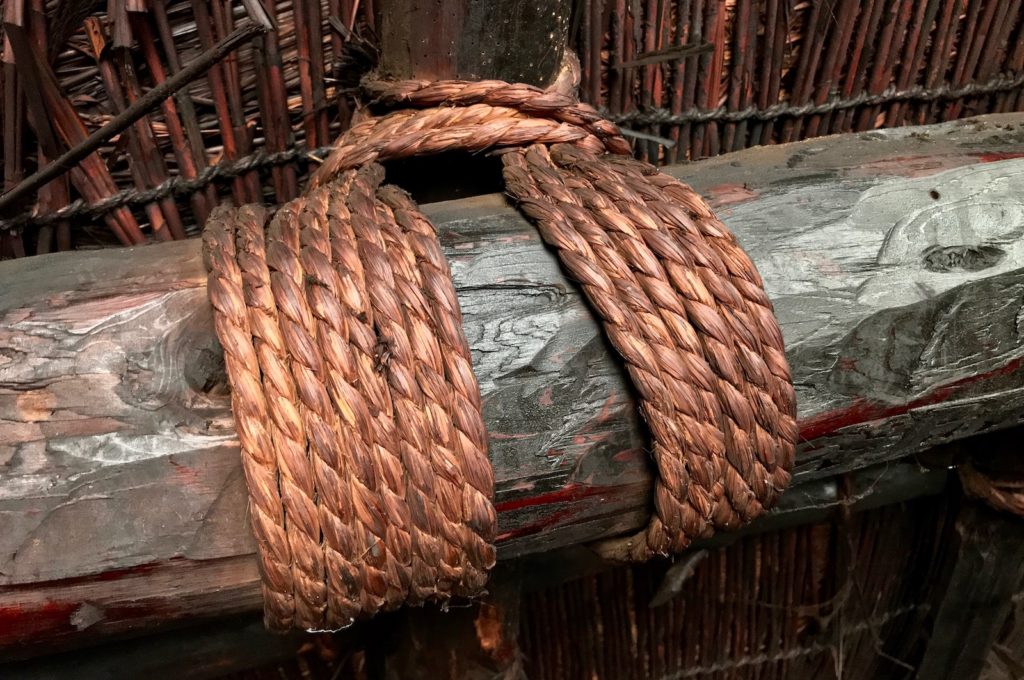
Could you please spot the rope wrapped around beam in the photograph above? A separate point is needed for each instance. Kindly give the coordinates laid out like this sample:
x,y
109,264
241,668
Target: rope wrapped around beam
x,y
353,392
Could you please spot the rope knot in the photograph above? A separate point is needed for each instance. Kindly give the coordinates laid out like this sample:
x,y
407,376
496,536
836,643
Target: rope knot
x,y
357,409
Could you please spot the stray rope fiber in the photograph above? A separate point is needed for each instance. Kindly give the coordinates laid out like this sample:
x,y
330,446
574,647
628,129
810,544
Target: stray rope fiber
x,y
180,186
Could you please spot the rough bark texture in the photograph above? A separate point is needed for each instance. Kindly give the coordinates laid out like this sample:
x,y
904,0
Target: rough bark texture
x,y
894,258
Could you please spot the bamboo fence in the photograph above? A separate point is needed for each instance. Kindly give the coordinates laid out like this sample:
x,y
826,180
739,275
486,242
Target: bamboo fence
x,y
684,78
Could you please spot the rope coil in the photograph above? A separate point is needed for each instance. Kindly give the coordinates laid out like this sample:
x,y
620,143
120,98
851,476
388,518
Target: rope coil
x,y
358,412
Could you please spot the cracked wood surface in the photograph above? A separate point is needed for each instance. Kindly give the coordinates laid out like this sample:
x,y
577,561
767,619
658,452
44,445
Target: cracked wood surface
x,y
895,260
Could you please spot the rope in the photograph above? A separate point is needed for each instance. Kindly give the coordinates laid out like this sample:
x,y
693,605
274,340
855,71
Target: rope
x,y
1002,83
358,412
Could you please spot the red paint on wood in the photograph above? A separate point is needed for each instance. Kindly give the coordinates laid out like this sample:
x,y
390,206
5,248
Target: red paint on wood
x,y
50,619
36,620
729,194
992,156
628,455
858,412
831,421
514,435
22,622
112,575
535,527
54,612
910,166
187,473
567,494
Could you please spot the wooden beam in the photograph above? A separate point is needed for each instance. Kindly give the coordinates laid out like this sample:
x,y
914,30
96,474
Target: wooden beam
x,y
212,650
894,258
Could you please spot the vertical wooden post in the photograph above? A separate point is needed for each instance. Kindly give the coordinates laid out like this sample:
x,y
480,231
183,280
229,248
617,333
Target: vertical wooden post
x,y
477,642
516,40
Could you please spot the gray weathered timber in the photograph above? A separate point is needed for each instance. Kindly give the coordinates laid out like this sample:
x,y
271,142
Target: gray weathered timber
x,y
895,258
179,593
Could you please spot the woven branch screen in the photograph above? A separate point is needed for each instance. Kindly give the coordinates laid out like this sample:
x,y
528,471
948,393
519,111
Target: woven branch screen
x,y
712,77
818,601
685,78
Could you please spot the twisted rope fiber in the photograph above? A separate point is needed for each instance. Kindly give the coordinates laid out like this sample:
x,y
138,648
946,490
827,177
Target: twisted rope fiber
x,y
747,388
1001,491
358,411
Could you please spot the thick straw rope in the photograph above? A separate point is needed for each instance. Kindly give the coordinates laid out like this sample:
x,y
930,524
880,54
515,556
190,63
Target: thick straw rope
x,y
353,391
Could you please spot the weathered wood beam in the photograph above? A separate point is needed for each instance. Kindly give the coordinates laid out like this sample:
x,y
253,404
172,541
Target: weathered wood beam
x,y
895,260
213,650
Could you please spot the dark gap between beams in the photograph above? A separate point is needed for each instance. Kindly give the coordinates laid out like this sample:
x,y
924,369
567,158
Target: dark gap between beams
x,y
446,176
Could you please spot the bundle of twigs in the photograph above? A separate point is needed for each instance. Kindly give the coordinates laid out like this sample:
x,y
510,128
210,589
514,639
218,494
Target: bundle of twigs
x,y
70,68
701,77
818,601
685,78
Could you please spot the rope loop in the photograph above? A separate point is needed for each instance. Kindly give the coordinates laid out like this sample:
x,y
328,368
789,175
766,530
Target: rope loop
x,y
358,412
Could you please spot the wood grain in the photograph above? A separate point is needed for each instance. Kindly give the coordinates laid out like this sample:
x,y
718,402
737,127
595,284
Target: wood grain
x,y
894,258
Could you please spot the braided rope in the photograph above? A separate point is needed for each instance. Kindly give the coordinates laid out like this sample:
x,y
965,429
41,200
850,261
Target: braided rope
x,y
476,127
358,411
249,406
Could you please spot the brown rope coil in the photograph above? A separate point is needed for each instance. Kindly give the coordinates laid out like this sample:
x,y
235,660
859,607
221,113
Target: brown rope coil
x,y
357,409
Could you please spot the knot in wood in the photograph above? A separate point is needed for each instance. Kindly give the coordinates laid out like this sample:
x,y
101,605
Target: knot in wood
x,y
357,409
